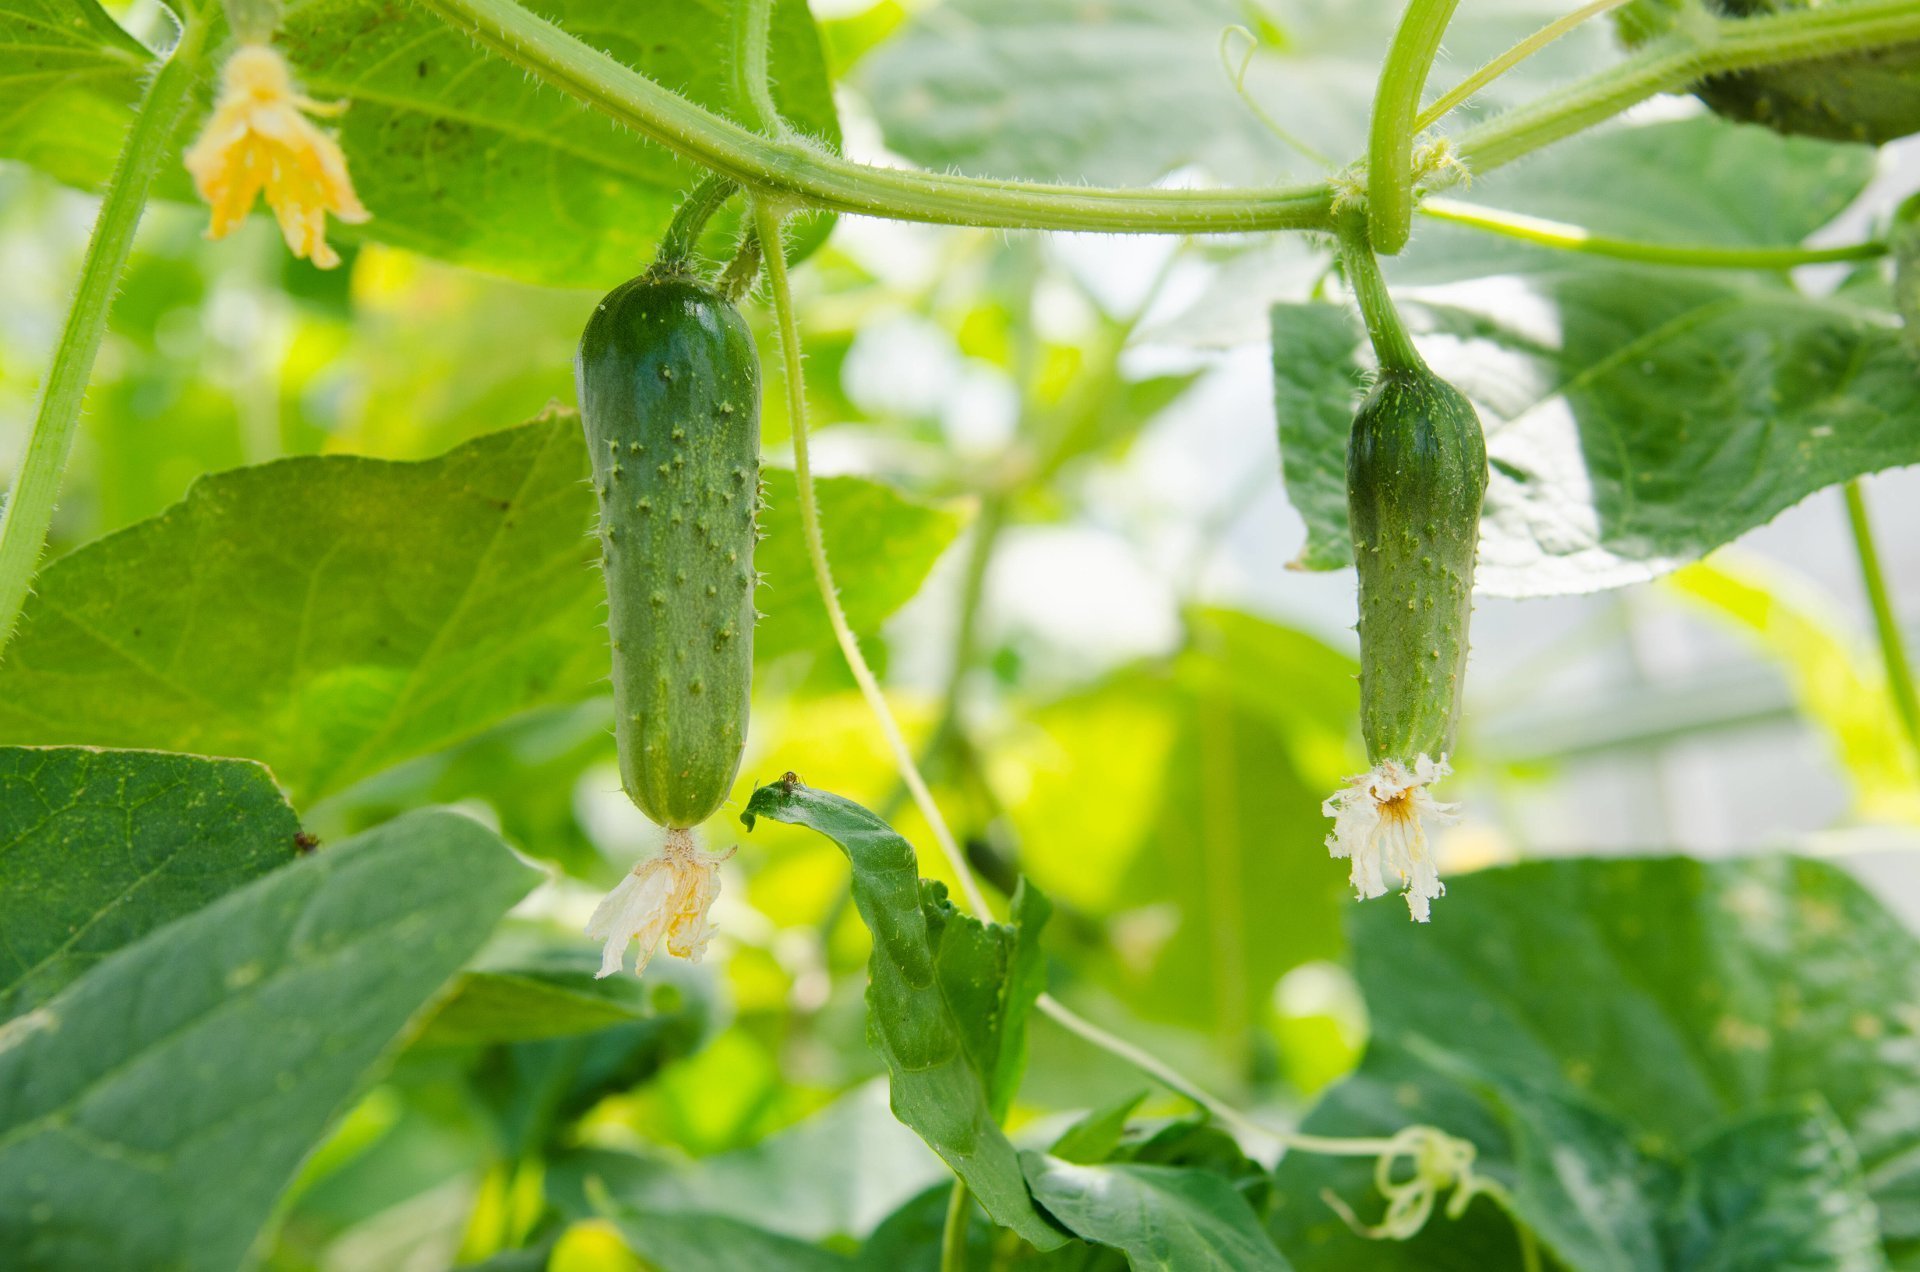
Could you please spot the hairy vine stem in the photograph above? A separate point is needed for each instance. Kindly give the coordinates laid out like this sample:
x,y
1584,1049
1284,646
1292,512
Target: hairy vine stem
x,y
1573,238
793,170
1396,102
767,224
1391,344
1885,621
1506,61
29,508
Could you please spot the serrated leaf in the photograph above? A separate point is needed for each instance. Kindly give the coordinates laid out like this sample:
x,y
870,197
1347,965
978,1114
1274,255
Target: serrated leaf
x,y
231,1036
102,847
932,977
1637,417
333,616
1756,987
1668,414
1166,1218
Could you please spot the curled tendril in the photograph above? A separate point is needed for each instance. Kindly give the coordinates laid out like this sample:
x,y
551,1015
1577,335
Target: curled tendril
x,y
1440,1162
1236,69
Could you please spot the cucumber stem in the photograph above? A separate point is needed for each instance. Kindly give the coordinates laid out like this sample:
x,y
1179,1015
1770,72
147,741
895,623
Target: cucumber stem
x,y
1575,238
28,513
1391,344
682,237
953,1235
1396,103
1505,62
1886,623
766,222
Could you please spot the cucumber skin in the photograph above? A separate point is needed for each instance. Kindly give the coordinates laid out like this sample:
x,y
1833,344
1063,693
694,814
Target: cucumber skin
x,y
669,385
1416,477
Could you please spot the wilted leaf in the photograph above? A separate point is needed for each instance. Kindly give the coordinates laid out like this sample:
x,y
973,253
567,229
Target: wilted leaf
x,y
231,1036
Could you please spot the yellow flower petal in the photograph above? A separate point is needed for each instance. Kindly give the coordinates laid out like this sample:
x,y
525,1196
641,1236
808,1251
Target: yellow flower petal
x,y
258,141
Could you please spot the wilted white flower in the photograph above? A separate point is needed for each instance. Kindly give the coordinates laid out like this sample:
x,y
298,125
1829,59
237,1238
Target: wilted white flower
x,y
259,140
664,896
1380,820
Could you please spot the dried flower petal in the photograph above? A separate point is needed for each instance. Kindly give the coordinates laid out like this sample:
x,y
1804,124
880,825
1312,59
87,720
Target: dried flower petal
x,y
1380,821
663,898
258,140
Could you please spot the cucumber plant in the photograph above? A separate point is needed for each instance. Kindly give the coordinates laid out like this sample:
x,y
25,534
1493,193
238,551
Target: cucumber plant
x,y
382,634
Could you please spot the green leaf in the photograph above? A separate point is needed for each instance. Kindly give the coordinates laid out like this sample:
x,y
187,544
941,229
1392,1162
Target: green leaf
x,y
456,152
838,1173
69,79
1127,91
715,1243
459,155
231,1036
1780,1191
1317,386
1637,417
1169,1218
333,616
1094,1137
935,982
1838,681
1672,413
1751,987
102,847
877,538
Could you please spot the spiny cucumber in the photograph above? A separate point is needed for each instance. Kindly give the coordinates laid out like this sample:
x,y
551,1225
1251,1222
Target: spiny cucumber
x,y
669,385
1416,476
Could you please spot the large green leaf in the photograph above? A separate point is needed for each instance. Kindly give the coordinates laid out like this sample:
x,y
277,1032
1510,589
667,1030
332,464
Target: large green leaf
x,y
839,1173
1166,1218
1659,1025
1671,414
333,616
1126,91
151,1113
935,1010
101,847
455,151
69,78
1637,417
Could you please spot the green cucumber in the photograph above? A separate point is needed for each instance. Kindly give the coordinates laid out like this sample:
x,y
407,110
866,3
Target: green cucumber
x,y
669,384
1871,96
1416,477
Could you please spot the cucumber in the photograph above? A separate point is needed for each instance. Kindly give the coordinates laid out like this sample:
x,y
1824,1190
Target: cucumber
x,y
1416,477
669,385
1871,96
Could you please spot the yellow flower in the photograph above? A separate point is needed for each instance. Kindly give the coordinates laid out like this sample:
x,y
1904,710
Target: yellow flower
x,y
258,139
666,896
